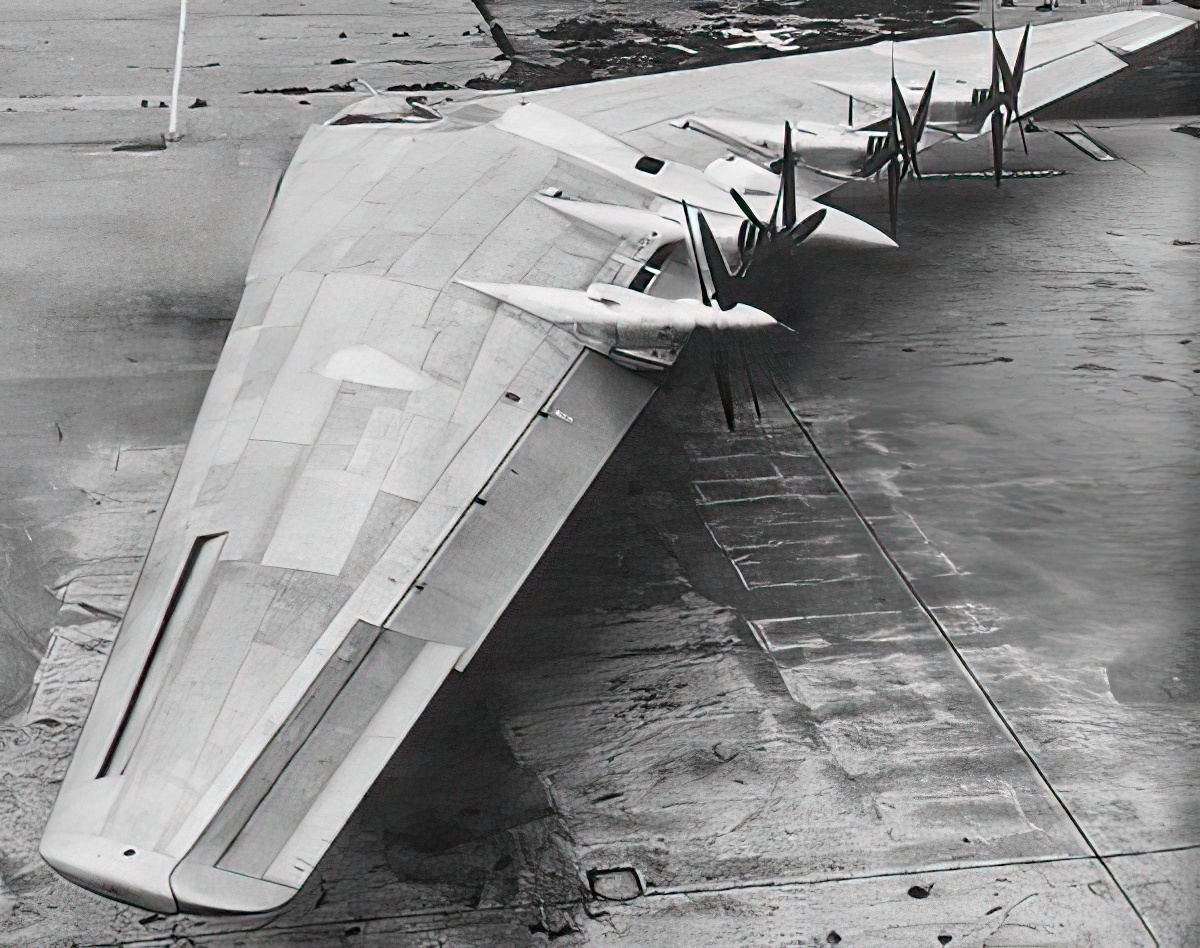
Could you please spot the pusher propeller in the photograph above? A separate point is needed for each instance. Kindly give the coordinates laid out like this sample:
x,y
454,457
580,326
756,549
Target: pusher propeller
x,y
1004,97
764,245
900,149
765,248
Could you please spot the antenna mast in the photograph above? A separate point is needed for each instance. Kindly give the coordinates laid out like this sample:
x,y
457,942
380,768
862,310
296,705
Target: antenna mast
x,y
173,126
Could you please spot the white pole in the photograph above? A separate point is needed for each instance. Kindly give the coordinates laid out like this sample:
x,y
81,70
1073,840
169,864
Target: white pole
x,y
173,129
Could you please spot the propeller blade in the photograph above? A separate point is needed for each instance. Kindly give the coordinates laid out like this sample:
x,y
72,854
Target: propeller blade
x,y
788,179
995,97
1012,85
1019,65
750,380
1021,129
687,218
921,119
720,365
998,145
722,282
804,229
923,107
904,123
1018,76
1006,77
778,203
875,162
746,209
894,175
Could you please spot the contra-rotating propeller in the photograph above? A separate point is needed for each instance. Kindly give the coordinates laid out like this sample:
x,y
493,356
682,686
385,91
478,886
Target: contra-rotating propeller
x,y
1003,101
900,148
764,248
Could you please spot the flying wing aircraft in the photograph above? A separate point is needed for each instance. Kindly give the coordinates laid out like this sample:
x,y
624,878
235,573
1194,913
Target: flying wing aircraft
x,y
450,321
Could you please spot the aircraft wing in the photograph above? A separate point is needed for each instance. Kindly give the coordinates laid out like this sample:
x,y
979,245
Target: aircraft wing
x,y
382,457
1062,58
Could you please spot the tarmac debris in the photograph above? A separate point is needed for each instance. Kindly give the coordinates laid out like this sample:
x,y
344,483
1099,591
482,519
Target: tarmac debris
x,y
920,891
424,87
1093,367
539,928
303,90
622,884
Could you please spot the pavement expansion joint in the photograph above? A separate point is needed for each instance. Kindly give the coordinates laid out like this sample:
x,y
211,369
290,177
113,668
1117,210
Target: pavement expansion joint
x,y
960,658
652,892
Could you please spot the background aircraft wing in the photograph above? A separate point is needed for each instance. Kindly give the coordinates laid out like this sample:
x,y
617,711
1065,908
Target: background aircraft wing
x,y
1062,58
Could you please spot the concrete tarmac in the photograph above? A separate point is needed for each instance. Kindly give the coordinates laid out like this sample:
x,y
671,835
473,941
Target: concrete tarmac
x,y
918,669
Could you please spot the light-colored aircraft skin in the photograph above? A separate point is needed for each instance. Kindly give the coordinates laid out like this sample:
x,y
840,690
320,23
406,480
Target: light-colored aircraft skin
x,y
614,307
407,409
838,151
676,182
663,224
959,107
625,223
